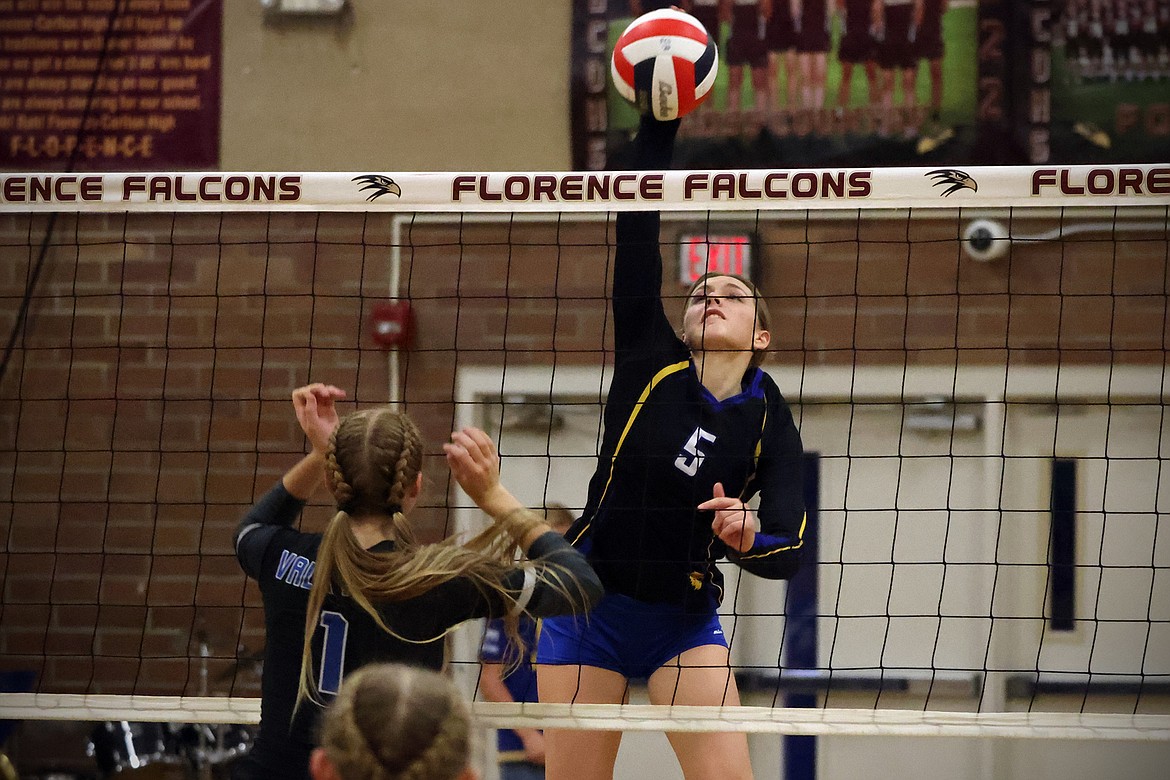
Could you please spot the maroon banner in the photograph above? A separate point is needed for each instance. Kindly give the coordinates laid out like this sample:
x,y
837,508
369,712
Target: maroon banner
x,y
110,84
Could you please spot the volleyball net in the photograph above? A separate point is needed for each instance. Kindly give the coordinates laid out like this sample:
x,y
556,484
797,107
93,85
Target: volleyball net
x,y
976,361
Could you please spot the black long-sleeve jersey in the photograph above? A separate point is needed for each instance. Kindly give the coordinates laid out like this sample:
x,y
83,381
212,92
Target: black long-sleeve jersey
x,y
668,440
282,560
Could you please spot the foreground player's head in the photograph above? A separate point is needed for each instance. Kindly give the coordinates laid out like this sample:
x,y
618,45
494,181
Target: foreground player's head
x,y
393,722
726,312
374,463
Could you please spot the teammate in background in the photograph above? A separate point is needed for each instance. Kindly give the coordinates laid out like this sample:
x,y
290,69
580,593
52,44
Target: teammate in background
x,y
1094,42
811,21
747,49
395,722
780,41
366,590
928,45
506,674
1074,30
1148,39
1162,35
896,58
857,47
1124,42
693,430
707,12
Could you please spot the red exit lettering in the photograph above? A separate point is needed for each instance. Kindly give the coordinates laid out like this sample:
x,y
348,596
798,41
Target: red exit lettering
x,y
730,254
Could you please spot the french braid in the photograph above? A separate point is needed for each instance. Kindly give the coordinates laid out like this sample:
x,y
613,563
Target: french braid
x,y
372,464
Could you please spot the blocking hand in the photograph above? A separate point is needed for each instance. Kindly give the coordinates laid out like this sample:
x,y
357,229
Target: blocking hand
x,y
316,412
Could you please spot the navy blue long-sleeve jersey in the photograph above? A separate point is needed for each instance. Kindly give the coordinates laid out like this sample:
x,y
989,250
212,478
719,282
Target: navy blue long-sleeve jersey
x,y
282,560
668,440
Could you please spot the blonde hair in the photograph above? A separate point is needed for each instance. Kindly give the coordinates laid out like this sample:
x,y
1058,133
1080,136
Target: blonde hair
x,y
396,722
763,314
559,517
374,459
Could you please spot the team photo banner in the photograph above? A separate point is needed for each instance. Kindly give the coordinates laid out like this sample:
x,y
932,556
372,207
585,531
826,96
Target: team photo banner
x,y
727,190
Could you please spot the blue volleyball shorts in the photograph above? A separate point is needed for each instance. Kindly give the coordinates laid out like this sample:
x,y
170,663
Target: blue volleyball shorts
x,y
627,636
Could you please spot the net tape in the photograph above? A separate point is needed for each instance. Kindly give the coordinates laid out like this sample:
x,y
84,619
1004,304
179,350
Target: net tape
x,y
535,192
635,717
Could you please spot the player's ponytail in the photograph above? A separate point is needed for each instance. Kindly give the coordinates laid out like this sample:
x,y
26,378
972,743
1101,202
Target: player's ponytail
x,y
373,461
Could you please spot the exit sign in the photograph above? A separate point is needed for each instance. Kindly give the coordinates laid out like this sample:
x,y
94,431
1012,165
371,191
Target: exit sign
x,y
702,254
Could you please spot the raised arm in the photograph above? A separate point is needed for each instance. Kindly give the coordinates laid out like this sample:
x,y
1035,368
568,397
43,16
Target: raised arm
x,y
559,580
280,506
637,276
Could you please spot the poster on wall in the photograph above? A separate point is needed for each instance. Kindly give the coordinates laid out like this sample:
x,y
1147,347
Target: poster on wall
x,y
801,83
109,85
813,83
1107,78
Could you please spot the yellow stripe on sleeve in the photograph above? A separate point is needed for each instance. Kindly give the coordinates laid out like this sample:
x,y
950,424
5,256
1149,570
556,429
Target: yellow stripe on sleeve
x,y
673,368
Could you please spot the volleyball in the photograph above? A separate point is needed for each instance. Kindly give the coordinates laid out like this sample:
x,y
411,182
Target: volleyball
x,y
665,63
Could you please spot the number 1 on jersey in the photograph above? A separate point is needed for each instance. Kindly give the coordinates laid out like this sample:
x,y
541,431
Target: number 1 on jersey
x,y
332,652
690,465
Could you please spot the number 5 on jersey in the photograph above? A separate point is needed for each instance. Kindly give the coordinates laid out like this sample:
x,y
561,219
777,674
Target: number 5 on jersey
x,y
691,457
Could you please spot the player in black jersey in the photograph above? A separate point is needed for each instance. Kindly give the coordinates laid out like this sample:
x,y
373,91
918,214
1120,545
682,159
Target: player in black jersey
x,y
365,590
393,721
693,430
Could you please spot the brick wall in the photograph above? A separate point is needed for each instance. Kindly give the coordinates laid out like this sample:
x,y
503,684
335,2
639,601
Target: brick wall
x,y
146,403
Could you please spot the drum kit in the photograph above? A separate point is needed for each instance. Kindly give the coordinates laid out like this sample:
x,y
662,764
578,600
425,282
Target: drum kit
x,y
190,751
163,750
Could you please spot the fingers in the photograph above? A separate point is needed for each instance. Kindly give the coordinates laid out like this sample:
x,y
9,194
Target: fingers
x,y
471,449
720,500
471,446
732,522
476,442
457,458
471,456
308,396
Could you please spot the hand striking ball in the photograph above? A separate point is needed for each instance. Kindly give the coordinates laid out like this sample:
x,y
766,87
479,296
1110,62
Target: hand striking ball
x,y
665,63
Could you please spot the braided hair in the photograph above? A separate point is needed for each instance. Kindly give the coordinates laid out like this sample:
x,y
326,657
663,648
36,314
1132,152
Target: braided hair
x,y
373,461
396,722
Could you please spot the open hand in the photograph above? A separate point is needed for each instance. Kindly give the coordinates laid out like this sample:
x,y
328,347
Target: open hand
x,y
471,456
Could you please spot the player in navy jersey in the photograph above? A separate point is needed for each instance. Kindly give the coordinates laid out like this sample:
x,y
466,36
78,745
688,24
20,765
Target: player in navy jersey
x,y
365,590
693,430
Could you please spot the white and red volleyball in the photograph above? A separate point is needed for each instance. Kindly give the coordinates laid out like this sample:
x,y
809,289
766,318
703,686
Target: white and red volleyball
x,y
665,63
